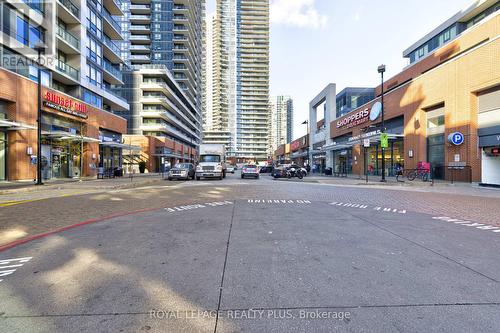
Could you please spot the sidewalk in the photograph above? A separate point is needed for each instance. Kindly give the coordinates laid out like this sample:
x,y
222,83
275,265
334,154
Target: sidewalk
x,y
438,186
84,183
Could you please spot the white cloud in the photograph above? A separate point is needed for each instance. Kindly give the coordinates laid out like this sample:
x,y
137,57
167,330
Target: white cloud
x,y
298,13
357,16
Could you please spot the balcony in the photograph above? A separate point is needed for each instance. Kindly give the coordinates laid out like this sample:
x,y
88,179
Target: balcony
x,y
140,28
140,58
70,44
68,12
140,49
144,19
111,27
140,9
113,6
111,51
140,39
179,18
112,73
68,71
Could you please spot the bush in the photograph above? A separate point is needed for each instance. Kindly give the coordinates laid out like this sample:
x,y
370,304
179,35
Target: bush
x,y
142,166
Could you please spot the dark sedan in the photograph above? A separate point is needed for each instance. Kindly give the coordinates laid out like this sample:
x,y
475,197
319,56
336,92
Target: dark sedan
x,y
182,171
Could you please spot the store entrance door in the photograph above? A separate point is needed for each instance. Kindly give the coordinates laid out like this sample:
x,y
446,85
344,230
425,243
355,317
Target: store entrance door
x,y
60,164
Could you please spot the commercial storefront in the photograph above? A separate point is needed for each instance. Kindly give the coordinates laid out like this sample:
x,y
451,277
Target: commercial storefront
x,y
299,151
157,153
70,132
443,110
489,135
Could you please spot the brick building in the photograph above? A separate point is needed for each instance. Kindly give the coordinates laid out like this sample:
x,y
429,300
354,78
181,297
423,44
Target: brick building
x,y
77,138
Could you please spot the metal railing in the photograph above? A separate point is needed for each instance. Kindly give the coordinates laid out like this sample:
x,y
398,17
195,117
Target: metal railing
x,y
71,7
68,37
68,70
107,15
109,43
113,70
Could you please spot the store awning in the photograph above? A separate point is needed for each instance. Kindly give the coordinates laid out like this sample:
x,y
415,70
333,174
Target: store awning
x,y
123,146
62,135
168,155
15,126
339,146
298,155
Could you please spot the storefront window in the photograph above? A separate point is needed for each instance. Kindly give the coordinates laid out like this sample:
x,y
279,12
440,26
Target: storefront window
x,y
394,156
398,156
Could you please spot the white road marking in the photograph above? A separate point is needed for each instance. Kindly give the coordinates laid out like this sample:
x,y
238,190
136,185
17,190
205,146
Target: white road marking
x,y
198,206
480,226
277,201
348,204
6,263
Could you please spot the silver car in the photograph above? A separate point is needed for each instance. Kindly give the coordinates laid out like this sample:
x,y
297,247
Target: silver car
x,y
250,170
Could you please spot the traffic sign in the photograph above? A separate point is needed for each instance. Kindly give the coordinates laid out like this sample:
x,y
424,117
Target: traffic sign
x,y
456,138
366,143
384,140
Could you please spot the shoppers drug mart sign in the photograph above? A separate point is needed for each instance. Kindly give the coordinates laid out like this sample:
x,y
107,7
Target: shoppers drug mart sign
x,y
354,119
64,104
361,117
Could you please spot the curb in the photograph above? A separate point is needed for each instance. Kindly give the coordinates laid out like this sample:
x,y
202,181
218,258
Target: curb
x,y
34,188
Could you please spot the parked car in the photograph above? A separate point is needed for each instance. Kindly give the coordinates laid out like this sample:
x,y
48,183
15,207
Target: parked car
x,y
250,170
230,169
182,171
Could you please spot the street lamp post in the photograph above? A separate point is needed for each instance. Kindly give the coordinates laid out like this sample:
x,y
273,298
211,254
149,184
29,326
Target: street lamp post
x,y
306,122
39,47
381,70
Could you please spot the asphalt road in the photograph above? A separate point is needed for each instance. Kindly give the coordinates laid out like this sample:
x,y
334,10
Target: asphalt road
x,y
256,256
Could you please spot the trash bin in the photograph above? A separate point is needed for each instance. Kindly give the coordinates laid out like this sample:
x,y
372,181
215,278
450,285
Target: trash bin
x,y
328,171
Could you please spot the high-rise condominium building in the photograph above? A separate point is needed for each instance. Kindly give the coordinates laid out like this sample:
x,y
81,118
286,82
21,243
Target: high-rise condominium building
x,y
240,114
164,52
79,63
80,55
281,121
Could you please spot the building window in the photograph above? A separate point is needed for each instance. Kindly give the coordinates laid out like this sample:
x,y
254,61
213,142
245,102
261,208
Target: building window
x,y
22,28
435,121
93,99
94,76
33,75
94,51
94,23
446,36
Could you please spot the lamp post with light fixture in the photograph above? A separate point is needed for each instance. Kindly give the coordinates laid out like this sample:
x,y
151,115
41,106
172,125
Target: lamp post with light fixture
x,y
381,70
39,47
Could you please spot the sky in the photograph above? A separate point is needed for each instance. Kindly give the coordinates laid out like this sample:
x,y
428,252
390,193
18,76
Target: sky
x,y
317,42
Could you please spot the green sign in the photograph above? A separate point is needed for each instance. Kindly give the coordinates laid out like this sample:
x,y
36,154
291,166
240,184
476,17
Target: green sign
x,y
384,140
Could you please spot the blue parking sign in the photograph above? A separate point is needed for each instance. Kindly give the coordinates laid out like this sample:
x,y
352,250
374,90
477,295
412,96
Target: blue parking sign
x,y
456,138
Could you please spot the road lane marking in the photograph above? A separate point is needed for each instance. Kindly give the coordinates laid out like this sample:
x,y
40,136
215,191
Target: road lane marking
x,y
470,224
6,263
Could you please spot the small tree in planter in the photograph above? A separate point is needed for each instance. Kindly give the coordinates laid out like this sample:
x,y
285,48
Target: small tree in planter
x,y
142,166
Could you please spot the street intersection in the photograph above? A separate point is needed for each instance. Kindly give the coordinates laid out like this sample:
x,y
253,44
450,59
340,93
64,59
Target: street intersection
x,y
254,256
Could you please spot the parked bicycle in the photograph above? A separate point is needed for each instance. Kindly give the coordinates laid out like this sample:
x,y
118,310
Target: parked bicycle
x,y
421,173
